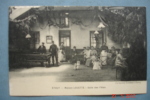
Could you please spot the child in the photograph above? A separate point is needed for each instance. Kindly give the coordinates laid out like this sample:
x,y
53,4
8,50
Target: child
x,y
76,65
97,64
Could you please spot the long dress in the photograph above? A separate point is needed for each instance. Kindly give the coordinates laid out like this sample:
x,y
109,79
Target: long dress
x,y
93,58
93,55
103,57
61,56
84,53
88,59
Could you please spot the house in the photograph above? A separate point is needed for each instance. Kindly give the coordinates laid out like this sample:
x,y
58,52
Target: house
x,y
75,26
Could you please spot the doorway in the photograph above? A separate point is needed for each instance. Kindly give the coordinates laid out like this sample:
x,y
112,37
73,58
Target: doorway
x,y
96,40
65,37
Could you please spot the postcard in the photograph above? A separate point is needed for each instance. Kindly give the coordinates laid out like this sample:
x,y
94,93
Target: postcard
x,y
77,50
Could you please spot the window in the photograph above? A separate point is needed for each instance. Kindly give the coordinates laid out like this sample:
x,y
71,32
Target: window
x,y
64,20
99,38
65,37
35,39
66,41
49,39
93,41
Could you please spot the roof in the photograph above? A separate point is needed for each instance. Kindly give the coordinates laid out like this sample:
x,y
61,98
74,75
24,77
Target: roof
x,y
20,10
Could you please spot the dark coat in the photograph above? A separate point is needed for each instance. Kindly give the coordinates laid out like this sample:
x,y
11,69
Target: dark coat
x,y
74,57
42,49
53,49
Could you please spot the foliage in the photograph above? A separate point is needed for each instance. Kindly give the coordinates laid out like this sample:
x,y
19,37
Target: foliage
x,y
125,26
130,27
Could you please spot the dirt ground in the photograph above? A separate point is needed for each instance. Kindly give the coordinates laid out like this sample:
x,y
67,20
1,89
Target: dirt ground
x,y
63,73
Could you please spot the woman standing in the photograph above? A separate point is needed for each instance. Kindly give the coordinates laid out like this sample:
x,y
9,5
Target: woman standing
x,y
88,59
61,55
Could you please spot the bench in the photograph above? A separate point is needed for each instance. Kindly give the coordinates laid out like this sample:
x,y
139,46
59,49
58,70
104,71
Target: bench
x,y
44,59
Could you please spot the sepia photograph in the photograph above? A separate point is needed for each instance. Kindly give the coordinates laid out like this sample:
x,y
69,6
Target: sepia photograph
x,y
76,46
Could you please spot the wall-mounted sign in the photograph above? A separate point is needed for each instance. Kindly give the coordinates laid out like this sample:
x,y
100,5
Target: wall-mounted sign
x,y
49,39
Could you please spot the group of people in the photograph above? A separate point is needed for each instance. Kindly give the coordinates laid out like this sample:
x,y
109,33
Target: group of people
x,y
92,57
54,51
99,58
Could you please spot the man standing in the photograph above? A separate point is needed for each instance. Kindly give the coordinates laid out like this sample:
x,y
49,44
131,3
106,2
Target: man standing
x,y
54,52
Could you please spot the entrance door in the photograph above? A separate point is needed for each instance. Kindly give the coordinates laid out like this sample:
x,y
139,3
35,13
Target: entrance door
x,y
65,37
96,40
